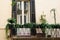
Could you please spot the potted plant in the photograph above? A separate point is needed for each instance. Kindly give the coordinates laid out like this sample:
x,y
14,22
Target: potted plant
x,y
43,23
43,28
11,26
53,30
57,29
24,30
39,31
20,30
32,27
27,28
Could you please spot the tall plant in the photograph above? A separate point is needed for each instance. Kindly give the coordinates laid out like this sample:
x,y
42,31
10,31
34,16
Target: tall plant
x,y
43,23
10,25
43,20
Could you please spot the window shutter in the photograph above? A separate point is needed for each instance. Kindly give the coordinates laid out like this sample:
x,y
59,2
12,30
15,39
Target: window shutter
x,y
32,11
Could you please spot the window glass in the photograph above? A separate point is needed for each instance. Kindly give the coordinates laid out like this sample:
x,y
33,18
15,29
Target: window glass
x,y
24,19
25,5
20,19
19,5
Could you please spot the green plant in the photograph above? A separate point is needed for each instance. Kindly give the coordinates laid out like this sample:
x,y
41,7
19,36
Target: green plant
x,y
43,24
7,28
52,26
10,25
28,25
32,26
11,20
43,27
48,26
18,26
57,25
43,20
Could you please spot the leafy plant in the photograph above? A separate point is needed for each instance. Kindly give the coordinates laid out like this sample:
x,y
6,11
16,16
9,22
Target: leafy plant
x,y
10,25
57,26
18,26
32,26
43,20
11,20
28,25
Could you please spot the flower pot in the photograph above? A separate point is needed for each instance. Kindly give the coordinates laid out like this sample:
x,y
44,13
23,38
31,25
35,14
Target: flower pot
x,y
38,30
39,33
23,31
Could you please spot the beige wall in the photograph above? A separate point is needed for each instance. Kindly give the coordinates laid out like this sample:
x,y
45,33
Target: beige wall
x,y
5,12
2,34
46,6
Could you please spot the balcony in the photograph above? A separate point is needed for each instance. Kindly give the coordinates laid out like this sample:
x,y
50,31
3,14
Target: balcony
x,y
33,31
33,38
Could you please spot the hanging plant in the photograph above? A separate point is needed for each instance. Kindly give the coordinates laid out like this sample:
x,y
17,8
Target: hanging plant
x,y
10,26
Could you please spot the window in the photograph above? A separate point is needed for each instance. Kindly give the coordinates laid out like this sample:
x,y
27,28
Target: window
x,y
19,19
25,5
24,19
19,5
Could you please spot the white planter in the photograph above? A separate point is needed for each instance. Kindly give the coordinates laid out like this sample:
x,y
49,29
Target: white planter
x,y
48,31
38,30
23,32
58,32
54,32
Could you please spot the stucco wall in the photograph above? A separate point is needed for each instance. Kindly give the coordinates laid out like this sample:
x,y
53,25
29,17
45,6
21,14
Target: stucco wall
x,y
5,12
2,34
46,6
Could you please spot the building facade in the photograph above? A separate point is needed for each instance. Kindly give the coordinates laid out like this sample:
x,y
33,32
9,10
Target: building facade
x,y
28,11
